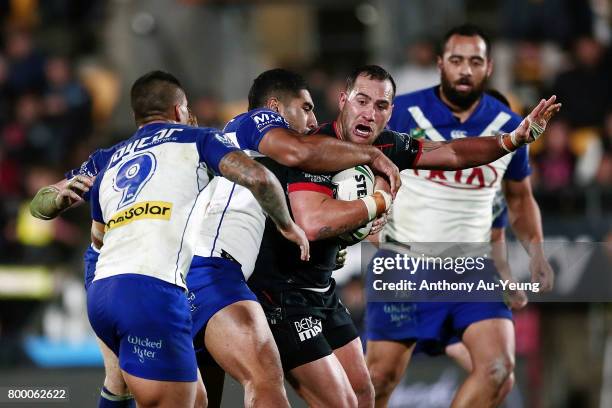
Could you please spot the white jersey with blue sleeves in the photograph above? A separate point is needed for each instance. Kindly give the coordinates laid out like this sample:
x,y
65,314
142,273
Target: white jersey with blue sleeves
x,y
147,197
450,206
234,221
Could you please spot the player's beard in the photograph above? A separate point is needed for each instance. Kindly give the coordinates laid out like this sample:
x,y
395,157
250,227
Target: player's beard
x,y
463,100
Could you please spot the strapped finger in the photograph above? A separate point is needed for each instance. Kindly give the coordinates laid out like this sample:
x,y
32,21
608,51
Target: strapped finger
x,y
76,185
88,181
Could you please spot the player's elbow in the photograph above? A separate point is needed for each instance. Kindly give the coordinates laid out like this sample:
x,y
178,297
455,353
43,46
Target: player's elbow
x,y
311,225
259,179
298,153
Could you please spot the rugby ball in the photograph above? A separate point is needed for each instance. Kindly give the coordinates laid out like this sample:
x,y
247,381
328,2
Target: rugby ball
x,y
351,184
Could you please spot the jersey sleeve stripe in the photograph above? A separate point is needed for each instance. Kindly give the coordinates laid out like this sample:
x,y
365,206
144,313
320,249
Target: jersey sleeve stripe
x,y
317,188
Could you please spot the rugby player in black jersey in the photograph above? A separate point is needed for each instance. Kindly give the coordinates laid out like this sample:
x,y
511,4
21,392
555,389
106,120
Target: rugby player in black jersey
x,y
318,343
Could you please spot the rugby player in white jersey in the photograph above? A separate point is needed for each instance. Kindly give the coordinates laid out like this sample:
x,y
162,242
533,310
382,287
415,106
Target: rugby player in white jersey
x,y
456,207
318,344
142,205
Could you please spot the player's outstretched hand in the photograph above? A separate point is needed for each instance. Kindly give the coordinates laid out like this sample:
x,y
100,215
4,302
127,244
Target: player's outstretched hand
x,y
383,165
72,192
535,123
541,272
297,235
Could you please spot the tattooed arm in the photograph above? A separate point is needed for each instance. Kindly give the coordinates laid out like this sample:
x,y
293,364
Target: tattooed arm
x,y
476,151
239,168
323,217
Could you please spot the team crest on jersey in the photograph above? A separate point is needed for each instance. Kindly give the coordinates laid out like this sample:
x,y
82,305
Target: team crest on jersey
x,y
417,133
159,210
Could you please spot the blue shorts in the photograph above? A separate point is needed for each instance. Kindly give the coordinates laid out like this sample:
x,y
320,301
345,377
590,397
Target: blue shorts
x,y
146,323
213,283
433,324
89,260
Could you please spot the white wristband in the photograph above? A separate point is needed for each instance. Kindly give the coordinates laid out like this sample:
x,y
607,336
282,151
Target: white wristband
x,y
370,203
387,197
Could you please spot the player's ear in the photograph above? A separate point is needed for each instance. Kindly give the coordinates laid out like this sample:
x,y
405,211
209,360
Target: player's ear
x,y
181,113
489,67
439,63
273,104
342,100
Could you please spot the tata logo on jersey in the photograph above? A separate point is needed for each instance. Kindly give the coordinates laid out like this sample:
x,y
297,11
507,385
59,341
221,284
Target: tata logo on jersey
x,y
265,119
157,210
467,179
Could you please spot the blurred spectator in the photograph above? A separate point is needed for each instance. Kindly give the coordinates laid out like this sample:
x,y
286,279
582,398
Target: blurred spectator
x,y
528,71
420,70
557,20
26,138
604,173
26,63
67,104
4,92
585,89
555,163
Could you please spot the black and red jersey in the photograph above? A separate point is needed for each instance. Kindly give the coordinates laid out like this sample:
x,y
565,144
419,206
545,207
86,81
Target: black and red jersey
x,y
278,263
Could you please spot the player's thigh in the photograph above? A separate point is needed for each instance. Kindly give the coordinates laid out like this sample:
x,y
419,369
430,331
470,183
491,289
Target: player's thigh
x,y
343,337
251,351
153,393
490,342
353,362
458,352
323,383
387,359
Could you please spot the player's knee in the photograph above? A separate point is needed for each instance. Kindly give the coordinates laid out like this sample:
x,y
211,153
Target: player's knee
x,y
363,388
384,379
507,386
365,394
344,399
201,400
499,370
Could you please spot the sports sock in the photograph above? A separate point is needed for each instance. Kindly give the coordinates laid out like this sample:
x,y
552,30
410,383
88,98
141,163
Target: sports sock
x,y
110,400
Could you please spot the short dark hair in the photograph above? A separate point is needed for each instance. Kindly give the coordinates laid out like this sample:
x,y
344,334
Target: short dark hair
x,y
276,82
372,72
154,94
468,30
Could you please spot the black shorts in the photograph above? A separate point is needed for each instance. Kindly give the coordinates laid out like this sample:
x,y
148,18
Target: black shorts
x,y
306,325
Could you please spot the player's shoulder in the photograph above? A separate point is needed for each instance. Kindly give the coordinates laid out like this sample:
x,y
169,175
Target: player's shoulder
x,y
259,117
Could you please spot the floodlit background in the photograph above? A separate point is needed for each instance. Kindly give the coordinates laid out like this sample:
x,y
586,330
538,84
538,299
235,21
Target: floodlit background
x,y
65,71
